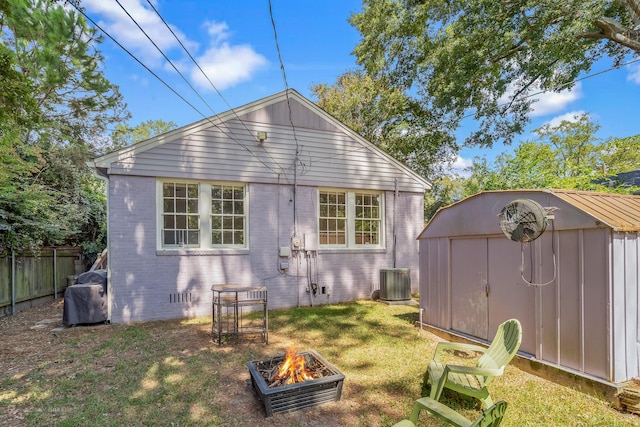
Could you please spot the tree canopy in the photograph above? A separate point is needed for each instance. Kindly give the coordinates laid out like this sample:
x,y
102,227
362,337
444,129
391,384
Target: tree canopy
x,y
567,155
55,104
125,134
389,118
487,58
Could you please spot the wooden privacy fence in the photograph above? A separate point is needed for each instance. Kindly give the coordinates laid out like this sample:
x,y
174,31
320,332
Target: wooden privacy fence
x,y
26,276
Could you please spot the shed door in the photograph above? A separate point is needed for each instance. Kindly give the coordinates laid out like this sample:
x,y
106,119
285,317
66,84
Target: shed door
x,y
469,287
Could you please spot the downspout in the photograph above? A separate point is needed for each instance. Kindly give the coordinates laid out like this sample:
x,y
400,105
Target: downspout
x,y
103,176
395,219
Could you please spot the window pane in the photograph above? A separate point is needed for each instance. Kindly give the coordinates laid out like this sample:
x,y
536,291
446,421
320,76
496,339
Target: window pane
x,y
331,217
181,222
181,229
216,222
181,191
227,223
216,192
238,223
193,237
169,237
227,215
216,207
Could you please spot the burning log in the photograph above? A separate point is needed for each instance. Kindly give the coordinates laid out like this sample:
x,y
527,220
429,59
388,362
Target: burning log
x,y
295,368
325,384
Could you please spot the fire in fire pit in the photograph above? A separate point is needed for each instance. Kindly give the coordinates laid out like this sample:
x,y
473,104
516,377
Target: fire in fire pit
x,y
295,381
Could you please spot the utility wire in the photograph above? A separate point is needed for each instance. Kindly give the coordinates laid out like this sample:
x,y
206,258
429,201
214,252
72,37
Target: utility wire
x,y
204,74
284,74
560,86
81,11
293,128
165,56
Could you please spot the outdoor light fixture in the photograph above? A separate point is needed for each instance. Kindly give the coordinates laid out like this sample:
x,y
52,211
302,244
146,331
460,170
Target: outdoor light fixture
x,y
262,136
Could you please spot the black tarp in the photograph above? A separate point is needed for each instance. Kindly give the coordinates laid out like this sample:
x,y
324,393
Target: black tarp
x,y
86,301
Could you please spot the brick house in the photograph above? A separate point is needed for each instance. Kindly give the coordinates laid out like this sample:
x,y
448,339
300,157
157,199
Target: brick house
x,y
276,193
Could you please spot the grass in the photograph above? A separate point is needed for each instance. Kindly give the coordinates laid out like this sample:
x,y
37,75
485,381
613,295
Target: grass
x,y
172,374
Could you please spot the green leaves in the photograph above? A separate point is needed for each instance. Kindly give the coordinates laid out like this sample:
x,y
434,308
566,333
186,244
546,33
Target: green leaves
x,y
389,118
567,155
483,58
55,106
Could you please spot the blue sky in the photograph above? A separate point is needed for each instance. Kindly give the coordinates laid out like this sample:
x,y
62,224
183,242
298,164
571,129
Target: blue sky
x,y
234,43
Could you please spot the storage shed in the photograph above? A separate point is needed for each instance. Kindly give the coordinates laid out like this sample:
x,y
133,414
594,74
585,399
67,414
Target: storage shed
x,y
574,289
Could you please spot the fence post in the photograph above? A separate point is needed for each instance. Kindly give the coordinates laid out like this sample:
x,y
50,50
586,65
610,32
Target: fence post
x,y
55,275
13,282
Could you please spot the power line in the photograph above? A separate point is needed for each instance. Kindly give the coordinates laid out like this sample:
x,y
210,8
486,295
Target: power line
x,y
284,74
79,9
165,56
560,86
203,73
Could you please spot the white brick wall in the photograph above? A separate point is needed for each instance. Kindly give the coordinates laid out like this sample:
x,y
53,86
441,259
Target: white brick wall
x,y
149,285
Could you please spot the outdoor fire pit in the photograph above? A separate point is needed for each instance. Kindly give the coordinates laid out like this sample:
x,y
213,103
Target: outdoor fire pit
x,y
283,385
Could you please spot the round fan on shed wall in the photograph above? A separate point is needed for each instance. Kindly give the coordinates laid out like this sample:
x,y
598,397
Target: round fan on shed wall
x,y
523,220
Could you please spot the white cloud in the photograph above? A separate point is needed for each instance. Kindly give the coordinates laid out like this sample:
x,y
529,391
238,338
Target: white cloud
x,y
120,26
459,165
571,116
226,65
634,74
553,102
546,103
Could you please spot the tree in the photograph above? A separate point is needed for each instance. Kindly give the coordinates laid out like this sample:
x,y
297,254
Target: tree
x,y
485,58
568,156
125,135
389,118
59,104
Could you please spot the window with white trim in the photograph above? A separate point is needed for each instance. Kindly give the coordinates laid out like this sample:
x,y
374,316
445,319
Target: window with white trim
x,y
227,215
350,219
180,215
202,215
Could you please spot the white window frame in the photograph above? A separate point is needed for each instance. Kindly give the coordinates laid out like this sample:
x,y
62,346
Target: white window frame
x,y
351,219
204,214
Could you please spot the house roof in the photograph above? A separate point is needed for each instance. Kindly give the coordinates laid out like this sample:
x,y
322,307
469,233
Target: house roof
x,y
255,112
478,213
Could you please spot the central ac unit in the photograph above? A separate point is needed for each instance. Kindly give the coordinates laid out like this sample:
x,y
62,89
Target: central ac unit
x,y
395,284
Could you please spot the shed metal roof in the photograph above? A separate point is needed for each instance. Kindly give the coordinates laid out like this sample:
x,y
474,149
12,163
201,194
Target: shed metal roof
x,y
619,211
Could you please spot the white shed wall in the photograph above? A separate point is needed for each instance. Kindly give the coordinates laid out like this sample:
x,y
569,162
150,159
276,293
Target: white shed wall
x,y
626,303
585,320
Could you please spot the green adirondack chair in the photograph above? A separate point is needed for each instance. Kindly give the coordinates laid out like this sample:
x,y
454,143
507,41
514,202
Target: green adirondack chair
x,y
473,380
492,417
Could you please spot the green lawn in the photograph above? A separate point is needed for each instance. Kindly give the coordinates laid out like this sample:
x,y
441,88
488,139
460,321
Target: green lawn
x,y
172,374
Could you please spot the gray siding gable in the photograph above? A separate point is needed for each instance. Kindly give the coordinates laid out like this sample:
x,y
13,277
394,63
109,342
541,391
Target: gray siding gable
x,y
225,147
